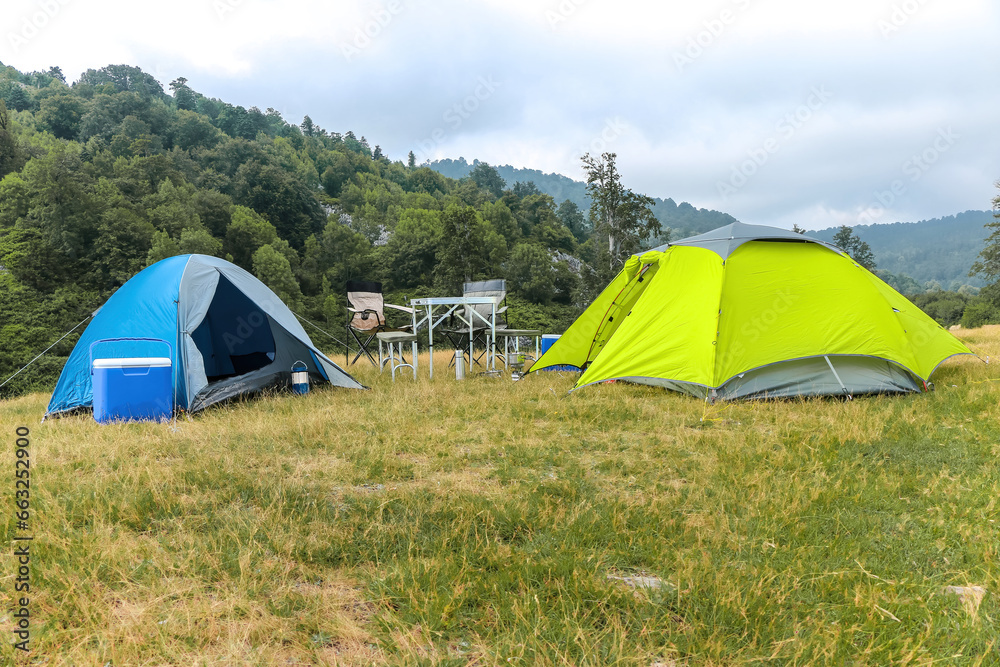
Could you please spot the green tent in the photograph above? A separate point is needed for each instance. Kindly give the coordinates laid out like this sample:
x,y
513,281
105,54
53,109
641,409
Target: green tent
x,y
747,311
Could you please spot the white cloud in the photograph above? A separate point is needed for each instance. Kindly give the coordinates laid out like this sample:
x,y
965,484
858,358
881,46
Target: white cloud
x,y
393,70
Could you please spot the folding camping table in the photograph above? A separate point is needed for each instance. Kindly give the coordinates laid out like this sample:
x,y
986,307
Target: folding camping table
x,y
451,304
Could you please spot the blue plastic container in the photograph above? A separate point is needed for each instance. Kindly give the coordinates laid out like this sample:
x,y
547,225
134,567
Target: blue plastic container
x,y
132,388
547,341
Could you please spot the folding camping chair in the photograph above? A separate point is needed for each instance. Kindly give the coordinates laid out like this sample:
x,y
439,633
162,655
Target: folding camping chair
x,y
459,337
367,309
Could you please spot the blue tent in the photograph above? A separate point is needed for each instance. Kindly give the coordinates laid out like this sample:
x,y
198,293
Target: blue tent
x,y
228,333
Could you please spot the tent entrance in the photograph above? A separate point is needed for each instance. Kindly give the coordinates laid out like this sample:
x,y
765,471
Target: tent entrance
x,y
235,337
620,308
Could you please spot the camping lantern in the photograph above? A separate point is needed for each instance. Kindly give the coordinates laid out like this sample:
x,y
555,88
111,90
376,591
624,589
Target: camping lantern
x,y
300,378
515,362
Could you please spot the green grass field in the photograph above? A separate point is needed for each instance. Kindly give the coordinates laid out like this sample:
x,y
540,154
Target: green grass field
x,y
488,522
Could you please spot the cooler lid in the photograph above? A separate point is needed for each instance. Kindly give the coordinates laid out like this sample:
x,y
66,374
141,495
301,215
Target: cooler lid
x,y
133,362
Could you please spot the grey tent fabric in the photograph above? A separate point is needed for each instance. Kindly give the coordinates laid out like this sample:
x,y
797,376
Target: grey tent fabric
x,y
724,240
827,375
199,293
822,376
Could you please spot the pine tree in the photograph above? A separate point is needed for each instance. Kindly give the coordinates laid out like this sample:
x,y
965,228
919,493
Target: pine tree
x,y
855,247
620,215
988,264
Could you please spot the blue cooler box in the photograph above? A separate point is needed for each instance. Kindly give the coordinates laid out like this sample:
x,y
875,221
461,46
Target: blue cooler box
x,y
547,342
132,389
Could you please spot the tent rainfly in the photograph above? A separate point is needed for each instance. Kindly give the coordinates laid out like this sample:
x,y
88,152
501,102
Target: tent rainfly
x,y
748,311
229,335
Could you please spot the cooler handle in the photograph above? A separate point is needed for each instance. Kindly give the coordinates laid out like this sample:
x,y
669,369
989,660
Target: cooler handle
x,y
170,349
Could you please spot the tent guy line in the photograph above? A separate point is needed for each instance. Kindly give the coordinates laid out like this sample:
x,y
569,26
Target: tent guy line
x,y
43,352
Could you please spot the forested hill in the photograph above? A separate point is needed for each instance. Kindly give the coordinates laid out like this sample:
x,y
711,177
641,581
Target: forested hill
x,y
682,219
940,250
105,175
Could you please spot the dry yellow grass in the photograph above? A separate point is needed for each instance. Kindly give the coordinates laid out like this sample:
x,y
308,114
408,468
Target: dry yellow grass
x,y
475,522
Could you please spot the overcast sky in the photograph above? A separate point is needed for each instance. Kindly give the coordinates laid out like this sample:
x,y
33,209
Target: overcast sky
x,y
775,111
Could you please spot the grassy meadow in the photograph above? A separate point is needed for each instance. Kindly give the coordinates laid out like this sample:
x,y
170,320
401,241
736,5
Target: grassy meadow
x,y
490,522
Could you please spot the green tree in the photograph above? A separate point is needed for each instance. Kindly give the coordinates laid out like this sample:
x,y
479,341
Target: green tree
x,y
487,178
412,248
12,158
988,264
172,208
162,247
60,114
524,189
14,95
123,243
530,269
341,254
133,137
337,174
247,232
199,241
621,216
859,251
572,217
54,212
469,249
978,312
945,307
498,215
284,200
124,78
184,97
273,269
192,130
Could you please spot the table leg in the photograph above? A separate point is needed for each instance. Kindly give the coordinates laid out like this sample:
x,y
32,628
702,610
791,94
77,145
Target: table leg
x,y
430,339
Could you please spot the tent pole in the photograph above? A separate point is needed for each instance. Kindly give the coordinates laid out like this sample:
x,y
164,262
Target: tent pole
x,y
177,356
839,381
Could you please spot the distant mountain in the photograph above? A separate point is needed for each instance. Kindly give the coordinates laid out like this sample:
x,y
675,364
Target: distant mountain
x,y
682,219
939,250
